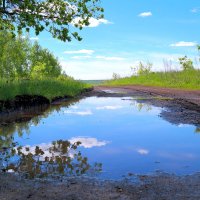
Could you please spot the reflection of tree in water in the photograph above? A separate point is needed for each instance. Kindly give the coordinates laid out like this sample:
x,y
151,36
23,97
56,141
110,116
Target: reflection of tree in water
x,y
176,111
59,158
142,106
20,122
197,130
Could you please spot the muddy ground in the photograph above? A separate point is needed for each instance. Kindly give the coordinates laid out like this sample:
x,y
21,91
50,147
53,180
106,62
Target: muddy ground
x,y
155,187
181,107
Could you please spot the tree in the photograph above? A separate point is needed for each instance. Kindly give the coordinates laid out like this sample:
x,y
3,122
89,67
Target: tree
x,y
43,62
59,17
14,56
19,58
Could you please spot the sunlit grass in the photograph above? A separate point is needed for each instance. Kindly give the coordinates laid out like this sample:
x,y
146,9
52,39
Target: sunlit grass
x,y
174,79
49,88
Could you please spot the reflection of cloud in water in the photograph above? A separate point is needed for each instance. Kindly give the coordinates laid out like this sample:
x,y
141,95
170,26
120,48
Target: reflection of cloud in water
x,y
183,125
109,107
74,107
88,142
143,151
81,113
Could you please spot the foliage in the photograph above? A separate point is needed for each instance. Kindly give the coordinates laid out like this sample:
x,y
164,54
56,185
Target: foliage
x,y
186,63
14,54
142,68
116,76
59,17
19,58
59,158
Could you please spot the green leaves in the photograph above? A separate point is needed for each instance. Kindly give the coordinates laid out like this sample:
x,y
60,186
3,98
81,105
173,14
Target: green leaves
x,y
186,63
59,17
19,58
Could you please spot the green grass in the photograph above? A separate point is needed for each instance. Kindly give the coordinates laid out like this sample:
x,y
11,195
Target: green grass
x,y
174,79
49,88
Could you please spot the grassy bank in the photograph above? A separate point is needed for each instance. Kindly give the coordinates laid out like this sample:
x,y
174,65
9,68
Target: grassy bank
x,y
49,88
174,79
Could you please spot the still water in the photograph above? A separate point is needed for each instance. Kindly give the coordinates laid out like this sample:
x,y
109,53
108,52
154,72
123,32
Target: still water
x,y
122,134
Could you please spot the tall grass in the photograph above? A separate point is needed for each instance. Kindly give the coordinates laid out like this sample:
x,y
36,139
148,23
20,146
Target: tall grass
x,y
188,79
49,88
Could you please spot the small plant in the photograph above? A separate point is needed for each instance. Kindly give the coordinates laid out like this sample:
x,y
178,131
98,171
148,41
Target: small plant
x,y
186,63
116,76
142,68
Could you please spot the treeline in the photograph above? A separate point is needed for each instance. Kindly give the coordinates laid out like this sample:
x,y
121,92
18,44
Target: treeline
x,y
27,68
20,58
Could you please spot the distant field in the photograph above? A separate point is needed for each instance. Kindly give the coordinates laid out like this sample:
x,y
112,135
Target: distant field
x,y
93,82
173,79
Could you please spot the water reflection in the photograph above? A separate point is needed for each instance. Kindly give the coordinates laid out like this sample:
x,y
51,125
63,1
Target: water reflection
x,y
88,142
20,121
174,111
58,158
126,135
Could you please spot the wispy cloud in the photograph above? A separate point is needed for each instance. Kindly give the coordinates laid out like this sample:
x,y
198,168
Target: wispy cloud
x,y
80,57
195,10
82,51
145,14
109,58
143,151
81,113
184,44
109,107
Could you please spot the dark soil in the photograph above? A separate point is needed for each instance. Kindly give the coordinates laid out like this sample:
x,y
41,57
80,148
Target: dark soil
x,y
155,187
23,101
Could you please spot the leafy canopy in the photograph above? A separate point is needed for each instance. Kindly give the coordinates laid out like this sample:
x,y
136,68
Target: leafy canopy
x,y
19,58
59,17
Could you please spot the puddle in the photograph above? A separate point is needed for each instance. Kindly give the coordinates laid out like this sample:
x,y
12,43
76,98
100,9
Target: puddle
x,y
126,137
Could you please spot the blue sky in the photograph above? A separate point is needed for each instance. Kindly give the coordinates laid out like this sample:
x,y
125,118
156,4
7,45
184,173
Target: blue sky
x,y
132,31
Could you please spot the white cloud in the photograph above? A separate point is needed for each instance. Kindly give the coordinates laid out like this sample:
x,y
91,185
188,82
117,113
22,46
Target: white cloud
x,y
183,44
82,51
145,14
93,22
143,151
110,58
109,107
88,142
34,38
81,113
80,57
96,22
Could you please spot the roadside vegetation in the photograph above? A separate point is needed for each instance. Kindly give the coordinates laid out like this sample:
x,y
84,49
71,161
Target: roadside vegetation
x,y
28,69
187,78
